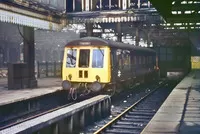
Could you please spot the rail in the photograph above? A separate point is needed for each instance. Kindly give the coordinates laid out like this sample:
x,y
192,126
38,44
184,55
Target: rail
x,y
110,123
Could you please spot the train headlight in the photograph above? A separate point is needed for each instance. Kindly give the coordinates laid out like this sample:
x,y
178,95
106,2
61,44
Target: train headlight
x,y
66,85
70,76
97,78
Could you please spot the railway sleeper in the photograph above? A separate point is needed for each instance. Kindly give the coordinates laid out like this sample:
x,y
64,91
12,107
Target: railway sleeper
x,y
150,103
135,120
137,117
140,109
131,123
150,107
128,127
153,103
121,131
144,110
141,113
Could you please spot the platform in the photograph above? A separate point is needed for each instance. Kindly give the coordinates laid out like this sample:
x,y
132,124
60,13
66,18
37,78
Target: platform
x,y
180,113
45,86
40,122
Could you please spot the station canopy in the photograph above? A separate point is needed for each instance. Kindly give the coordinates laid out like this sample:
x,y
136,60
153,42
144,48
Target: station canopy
x,y
184,14
45,14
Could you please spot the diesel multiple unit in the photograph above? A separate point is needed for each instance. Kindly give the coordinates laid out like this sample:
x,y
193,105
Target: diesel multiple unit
x,y
93,64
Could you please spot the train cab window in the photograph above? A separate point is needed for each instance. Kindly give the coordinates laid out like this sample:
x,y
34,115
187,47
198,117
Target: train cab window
x,y
98,58
84,58
71,58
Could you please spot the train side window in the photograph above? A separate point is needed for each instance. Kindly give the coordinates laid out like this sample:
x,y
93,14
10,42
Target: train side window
x,y
84,58
147,61
150,59
71,58
119,58
126,59
163,57
135,60
140,60
98,58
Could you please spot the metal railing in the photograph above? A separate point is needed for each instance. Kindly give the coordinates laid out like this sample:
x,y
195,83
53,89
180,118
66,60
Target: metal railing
x,y
42,70
48,69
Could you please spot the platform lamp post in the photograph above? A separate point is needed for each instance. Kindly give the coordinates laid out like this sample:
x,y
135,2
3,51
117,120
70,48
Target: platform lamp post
x,y
59,51
22,52
59,59
36,62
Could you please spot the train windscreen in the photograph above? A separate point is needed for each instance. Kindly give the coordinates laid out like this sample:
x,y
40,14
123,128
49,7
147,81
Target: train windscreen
x,y
84,58
98,58
71,58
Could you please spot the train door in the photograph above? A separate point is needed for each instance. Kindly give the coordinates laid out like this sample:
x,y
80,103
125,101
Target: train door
x,y
114,65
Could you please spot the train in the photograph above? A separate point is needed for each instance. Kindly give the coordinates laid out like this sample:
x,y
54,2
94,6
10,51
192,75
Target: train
x,y
93,64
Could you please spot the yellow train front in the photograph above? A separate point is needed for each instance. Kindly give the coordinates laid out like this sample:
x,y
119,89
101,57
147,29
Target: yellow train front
x,y
91,64
86,66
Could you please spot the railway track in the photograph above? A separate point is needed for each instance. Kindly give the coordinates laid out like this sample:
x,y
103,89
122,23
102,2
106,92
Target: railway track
x,y
136,117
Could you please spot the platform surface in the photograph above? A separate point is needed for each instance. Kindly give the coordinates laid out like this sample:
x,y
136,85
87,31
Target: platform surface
x,y
180,113
45,86
50,118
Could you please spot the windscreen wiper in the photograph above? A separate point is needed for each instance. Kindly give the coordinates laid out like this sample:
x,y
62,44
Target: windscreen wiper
x,y
101,51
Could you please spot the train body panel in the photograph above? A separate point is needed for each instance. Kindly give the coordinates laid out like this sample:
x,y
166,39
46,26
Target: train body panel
x,y
93,63
77,71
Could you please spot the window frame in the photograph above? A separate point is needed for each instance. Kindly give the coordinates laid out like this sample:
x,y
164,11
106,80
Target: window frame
x,y
76,52
98,49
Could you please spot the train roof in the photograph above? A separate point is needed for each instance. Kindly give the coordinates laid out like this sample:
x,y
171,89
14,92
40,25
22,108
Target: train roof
x,y
95,41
